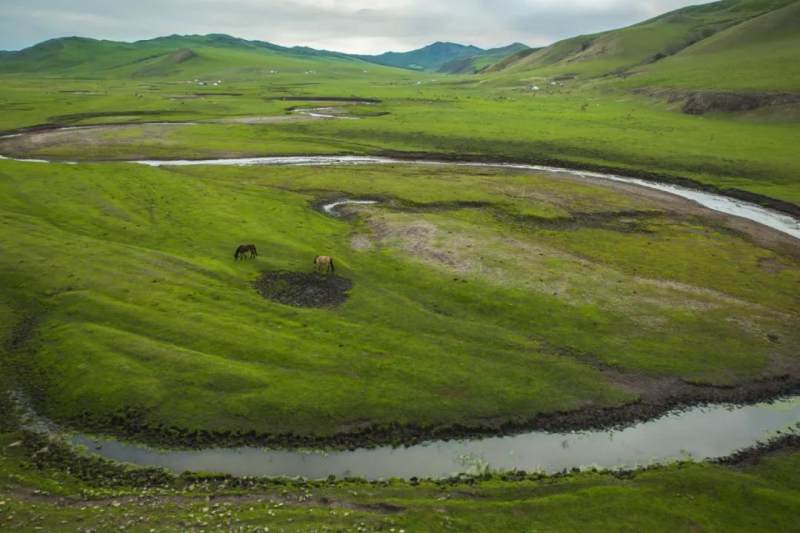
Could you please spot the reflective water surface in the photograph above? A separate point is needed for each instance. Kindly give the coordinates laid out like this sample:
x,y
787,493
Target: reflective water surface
x,y
695,434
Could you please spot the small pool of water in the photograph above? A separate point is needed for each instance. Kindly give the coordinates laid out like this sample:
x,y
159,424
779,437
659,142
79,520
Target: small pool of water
x,y
331,207
695,434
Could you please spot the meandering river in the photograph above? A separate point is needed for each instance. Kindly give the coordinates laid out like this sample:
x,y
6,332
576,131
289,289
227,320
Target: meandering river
x,y
717,202
698,433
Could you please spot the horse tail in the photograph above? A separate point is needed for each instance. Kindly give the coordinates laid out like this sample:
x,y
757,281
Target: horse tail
x,y
315,260
236,255
332,268
255,251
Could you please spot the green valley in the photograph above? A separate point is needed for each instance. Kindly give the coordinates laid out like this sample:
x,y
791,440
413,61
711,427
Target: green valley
x,y
494,277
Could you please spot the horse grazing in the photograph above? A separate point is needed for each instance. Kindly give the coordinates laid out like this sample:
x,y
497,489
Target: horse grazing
x,y
243,250
324,264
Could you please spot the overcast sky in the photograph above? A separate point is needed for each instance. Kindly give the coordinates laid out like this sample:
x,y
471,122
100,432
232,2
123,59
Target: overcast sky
x,y
361,26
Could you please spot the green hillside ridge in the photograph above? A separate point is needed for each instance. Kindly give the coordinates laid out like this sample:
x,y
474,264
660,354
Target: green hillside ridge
x,y
481,300
617,51
192,55
765,51
482,60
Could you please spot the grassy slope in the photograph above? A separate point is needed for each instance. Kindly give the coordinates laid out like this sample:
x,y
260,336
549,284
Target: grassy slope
x,y
212,57
128,272
764,49
620,50
499,121
763,497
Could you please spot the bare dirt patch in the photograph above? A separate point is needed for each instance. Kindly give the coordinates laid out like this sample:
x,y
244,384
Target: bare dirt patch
x,y
267,119
302,289
702,102
337,99
705,102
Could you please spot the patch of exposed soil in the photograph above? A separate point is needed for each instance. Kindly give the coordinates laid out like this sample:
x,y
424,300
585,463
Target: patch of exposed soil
x,y
701,102
266,119
91,135
351,99
302,289
787,443
269,497
22,333
622,221
706,102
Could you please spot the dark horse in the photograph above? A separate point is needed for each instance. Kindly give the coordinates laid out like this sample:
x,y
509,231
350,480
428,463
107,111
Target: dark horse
x,y
244,249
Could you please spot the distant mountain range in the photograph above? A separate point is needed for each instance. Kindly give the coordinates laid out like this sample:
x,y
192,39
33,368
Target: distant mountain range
x,y
730,44
445,57
161,56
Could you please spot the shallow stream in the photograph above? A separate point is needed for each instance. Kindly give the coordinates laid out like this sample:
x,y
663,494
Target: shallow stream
x,y
696,434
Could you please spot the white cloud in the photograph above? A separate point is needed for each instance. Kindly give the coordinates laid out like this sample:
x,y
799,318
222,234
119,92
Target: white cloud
x,y
362,26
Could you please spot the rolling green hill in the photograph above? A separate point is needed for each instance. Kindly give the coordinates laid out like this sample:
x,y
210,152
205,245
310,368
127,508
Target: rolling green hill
x,y
187,56
765,51
652,42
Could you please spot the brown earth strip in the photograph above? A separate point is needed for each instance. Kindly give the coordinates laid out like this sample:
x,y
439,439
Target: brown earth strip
x,y
352,99
212,501
787,443
702,102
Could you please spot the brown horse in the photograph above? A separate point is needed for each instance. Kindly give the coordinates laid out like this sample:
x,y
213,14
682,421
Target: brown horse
x,y
324,264
243,250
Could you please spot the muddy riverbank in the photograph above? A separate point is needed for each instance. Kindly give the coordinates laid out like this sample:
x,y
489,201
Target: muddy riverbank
x,y
130,425
700,433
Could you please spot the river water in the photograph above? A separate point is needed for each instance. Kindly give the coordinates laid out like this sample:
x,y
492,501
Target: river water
x,y
717,202
697,434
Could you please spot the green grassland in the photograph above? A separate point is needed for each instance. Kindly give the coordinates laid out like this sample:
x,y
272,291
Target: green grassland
x,y
677,36
623,131
764,50
481,296
128,275
578,123
603,117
